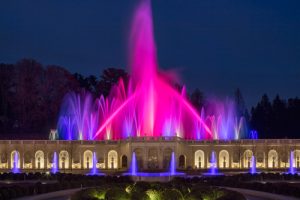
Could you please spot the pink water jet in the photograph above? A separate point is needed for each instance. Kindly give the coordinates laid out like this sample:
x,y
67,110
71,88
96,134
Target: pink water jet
x,y
149,106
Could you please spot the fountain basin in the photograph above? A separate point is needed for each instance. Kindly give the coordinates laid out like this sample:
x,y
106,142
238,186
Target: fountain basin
x,y
154,176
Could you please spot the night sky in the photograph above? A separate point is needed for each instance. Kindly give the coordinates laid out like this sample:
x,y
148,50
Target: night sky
x,y
214,45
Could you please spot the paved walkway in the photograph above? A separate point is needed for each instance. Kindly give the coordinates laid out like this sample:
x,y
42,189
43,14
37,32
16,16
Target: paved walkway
x,y
258,195
58,195
249,194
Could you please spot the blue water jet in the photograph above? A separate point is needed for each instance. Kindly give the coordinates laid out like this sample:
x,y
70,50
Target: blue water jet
x,y
253,166
94,171
133,171
213,170
15,167
292,169
133,166
54,168
213,164
172,170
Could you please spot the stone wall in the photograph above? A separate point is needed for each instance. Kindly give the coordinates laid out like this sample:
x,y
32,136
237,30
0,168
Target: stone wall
x,y
151,154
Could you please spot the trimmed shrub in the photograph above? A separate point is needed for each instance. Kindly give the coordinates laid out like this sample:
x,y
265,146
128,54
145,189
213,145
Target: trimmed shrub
x,y
139,196
173,194
116,194
231,195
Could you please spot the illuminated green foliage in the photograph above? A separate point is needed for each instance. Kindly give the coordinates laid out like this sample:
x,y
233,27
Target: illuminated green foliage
x,y
157,191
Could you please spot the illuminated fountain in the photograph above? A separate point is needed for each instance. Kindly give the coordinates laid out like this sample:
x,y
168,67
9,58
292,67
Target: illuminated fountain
x,y
172,170
133,165
292,169
149,105
54,168
213,164
94,170
213,169
253,166
16,161
133,170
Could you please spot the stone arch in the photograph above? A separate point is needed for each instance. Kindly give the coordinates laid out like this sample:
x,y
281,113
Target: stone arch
x,y
297,158
112,159
199,159
272,159
27,157
88,159
39,158
50,156
284,157
15,161
247,158
181,161
3,157
167,153
64,159
224,159
139,154
260,158
124,161
152,158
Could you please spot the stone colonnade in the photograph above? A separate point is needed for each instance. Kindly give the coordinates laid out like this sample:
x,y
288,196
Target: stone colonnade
x,y
151,154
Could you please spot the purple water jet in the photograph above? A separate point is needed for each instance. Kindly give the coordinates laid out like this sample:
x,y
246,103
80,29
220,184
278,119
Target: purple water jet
x,y
253,166
213,164
16,163
54,168
133,165
172,165
213,169
133,171
292,169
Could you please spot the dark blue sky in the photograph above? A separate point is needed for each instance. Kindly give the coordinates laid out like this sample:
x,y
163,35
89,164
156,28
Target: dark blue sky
x,y
215,45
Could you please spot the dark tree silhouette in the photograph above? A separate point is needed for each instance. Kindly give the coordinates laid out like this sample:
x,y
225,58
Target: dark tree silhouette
x,y
31,95
239,102
279,119
6,90
58,82
89,83
110,77
197,99
241,108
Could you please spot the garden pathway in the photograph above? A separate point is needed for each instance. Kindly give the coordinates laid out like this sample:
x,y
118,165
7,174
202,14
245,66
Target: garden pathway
x,y
58,195
258,195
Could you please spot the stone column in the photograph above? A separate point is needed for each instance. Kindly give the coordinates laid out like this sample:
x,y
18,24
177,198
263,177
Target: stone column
x,y
33,161
206,159
105,160
217,159
45,160
160,158
230,159
266,161
81,160
22,158
145,161
9,160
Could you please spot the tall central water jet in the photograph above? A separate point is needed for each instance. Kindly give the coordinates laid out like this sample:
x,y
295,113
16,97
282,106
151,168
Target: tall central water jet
x,y
143,63
149,105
